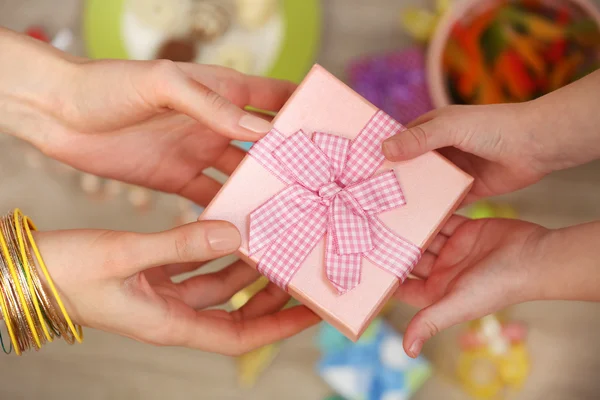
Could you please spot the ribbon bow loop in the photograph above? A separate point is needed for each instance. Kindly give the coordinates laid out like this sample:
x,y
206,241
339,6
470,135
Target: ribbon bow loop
x,y
305,162
332,191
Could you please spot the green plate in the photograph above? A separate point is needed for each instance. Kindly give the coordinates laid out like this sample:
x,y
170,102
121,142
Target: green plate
x,y
102,30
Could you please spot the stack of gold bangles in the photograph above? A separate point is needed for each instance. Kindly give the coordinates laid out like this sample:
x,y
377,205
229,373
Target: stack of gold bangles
x,y
30,315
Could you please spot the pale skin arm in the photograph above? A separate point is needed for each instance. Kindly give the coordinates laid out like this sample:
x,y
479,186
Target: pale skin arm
x,y
160,125
478,267
569,264
475,268
126,120
39,82
567,124
507,147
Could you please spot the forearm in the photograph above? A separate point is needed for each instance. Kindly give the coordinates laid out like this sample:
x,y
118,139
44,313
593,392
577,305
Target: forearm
x,y
568,264
566,124
31,73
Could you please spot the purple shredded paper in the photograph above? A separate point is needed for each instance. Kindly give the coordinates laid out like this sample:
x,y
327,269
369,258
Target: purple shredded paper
x,y
395,82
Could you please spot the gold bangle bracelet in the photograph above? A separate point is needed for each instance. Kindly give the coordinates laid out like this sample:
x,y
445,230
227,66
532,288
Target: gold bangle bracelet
x,y
30,315
35,324
25,274
57,324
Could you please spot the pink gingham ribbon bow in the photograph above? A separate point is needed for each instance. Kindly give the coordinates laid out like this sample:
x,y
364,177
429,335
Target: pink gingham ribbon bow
x,y
332,191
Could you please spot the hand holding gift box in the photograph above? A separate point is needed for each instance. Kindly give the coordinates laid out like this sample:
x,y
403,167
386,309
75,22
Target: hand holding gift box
x,y
321,213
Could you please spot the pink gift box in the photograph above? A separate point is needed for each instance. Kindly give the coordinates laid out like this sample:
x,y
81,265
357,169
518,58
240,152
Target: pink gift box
x,y
432,186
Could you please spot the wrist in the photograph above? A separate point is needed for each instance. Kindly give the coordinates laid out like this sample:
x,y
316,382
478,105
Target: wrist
x,y
49,245
30,315
565,124
532,283
32,75
566,264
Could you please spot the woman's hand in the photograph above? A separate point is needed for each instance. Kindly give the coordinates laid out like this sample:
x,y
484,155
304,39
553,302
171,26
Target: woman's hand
x,y
494,144
475,268
152,123
120,282
507,147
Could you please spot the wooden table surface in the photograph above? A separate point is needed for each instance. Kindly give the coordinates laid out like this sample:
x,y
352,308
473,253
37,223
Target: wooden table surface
x,y
563,341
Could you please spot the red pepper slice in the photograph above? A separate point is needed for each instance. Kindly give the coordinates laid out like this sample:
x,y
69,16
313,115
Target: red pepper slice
x,y
469,42
513,72
556,51
563,16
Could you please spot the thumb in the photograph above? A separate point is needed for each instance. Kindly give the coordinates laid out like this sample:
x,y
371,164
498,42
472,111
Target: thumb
x,y
428,322
416,141
194,242
177,91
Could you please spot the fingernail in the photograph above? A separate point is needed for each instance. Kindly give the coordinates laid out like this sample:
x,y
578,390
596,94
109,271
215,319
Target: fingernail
x,y
391,149
255,124
415,348
223,239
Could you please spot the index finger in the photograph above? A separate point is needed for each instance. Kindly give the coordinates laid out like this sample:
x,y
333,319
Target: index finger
x,y
243,90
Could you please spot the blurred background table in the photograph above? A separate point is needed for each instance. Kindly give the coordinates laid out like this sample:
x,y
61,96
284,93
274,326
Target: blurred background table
x,y
563,338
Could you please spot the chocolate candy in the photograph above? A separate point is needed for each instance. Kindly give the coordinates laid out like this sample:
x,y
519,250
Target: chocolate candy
x,y
180,50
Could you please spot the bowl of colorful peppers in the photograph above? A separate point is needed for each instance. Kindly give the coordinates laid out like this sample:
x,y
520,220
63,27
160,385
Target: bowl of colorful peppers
x,y
502,51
